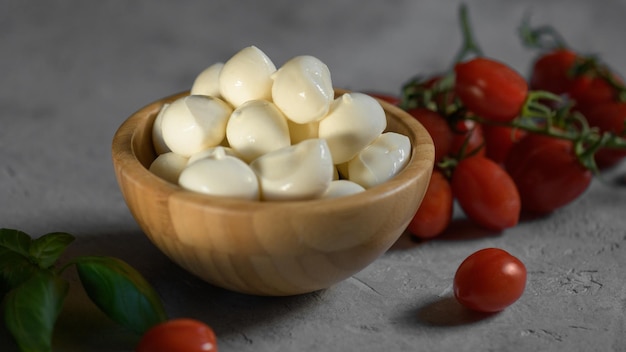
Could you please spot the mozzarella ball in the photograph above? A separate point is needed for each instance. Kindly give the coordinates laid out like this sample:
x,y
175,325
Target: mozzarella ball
x,y
255,128
247,76
157,133
210,152
221,175
168,166
353,122
297,172
340,188
303,89
208,81
381,160
194,123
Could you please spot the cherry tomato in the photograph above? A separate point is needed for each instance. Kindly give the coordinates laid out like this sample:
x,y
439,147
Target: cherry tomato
x,y
609,117
546,172
391,99
589,91
435,213
499,140
490,89
468,139
486,193
489,280
550,71
178,335
437,127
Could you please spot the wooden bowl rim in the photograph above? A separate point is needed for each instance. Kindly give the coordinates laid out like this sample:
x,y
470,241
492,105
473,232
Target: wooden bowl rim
x,y
126,161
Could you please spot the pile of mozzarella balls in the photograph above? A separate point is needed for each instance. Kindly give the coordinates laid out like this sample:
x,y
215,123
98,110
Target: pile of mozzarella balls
x,y
251,131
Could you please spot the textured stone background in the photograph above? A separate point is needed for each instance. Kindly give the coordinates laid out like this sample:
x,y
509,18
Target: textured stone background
x,y
72,71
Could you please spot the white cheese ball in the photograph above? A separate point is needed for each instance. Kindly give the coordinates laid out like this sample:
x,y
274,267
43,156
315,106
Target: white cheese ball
x,y
168,166
381,160
157,133
247,76
255,128
194,123
303,89
208,81
221,175
353,122
210,152
340,188
298,172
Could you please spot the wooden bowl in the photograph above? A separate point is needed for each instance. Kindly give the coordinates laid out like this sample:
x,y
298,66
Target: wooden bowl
x,y
269,248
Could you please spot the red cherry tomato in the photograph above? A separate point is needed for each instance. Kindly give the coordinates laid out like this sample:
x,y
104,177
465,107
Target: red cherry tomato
x,y
489,280
550,71
609,117
468,139
391,99
486,193
178,335
490,89
588,92
499,140
546,172
435,213
437,127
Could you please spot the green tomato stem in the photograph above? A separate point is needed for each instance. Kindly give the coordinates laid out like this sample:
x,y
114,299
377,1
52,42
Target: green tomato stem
x,y
543,37
470,46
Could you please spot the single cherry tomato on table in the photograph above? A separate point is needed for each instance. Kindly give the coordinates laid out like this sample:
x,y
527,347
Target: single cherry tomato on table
x,y
490,89
547,173
486,193
489,280
178,335
435,213
609,117
550,72
437,127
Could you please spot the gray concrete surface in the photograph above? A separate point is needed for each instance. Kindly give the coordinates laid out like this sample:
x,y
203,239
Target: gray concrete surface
x,y
72,71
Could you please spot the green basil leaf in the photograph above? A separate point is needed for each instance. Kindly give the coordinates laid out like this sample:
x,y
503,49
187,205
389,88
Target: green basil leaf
x,y
46,249
15,269
16,241
31,310
120,292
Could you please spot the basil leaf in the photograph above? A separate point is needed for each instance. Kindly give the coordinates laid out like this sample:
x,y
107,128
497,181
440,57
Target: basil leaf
x,y
16,241
46,249
31,310
120,292
14,270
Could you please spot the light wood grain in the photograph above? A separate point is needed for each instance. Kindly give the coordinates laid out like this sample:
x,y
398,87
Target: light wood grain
x,y
269,248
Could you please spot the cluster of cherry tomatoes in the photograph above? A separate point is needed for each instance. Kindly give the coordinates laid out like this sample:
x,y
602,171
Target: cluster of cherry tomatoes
x,y
506,145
